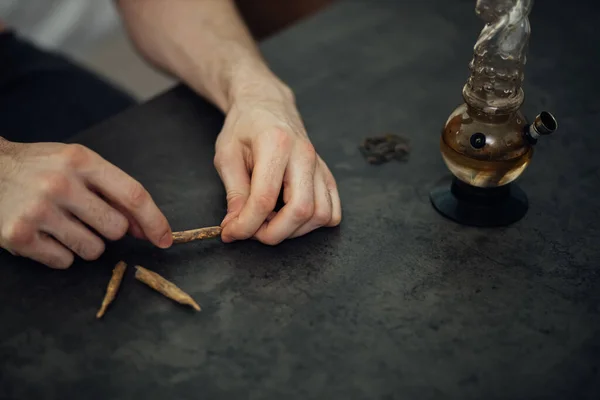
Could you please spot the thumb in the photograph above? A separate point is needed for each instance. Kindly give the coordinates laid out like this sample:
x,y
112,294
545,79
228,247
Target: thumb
x,y
231,167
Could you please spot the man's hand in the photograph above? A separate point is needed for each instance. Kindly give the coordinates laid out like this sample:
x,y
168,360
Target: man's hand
x,y
56,201
263,148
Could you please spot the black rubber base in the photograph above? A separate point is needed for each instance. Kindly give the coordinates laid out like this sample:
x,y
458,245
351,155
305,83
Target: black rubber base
x,y
482,207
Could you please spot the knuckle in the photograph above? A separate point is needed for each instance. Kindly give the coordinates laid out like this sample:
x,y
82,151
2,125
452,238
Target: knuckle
x,y
234,195
18,234
235,200
281,137
75,155
38,212
322,217
303,211
55,184
310,153
266,203
218,160
289,93
138,195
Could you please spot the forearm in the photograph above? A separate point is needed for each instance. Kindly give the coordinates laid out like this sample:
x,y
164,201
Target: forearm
x,y
204,43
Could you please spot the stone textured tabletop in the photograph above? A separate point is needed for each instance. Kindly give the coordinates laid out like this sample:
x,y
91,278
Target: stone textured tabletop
x,y
395,303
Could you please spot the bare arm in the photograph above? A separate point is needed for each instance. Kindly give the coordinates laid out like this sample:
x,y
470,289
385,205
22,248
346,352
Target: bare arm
x,y
263,147
203,42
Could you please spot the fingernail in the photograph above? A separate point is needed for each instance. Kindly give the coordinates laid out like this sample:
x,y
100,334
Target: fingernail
x,y
166,240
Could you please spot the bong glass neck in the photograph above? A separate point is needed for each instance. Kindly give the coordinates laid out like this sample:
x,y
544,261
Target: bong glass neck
x,y
497,68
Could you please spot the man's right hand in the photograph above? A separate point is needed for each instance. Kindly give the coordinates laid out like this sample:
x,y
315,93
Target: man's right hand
x,y
56,200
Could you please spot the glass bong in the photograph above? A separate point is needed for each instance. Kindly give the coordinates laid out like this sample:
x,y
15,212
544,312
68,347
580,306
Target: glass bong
x,y
487,142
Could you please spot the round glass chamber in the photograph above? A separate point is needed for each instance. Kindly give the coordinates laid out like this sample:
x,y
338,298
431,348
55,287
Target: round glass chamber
x,y
483,150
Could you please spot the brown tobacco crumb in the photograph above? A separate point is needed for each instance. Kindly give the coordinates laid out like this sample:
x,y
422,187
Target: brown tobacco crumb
x,y
113,287
196,234
161,285
381,149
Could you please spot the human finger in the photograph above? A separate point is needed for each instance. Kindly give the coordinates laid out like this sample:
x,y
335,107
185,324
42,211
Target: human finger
x,y
231,167
23,238
49,252
300,188
323,207
336,203
72,234
271,156
94,211
129,194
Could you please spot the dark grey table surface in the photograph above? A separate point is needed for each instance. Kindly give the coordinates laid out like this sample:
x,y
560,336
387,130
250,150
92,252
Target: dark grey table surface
x,y
395,303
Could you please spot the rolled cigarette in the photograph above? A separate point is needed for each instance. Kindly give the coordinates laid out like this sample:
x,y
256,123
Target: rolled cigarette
x,y
163,286
197,234
113,287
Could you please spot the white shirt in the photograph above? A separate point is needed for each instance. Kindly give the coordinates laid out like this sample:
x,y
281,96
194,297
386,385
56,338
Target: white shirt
x,y
69,25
